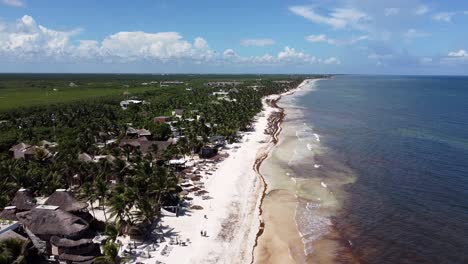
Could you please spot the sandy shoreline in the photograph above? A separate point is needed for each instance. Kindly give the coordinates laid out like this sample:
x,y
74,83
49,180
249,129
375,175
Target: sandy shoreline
x,y
232,218
280,240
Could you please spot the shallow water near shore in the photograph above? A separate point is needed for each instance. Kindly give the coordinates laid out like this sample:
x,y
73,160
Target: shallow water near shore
x,y
370,169
301,198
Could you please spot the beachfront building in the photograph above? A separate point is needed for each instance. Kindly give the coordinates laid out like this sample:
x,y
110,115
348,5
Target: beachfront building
x,y
207,152
47,144
137,133
219,93
23,200
178,112
75,251
9,226
145,146
54,228
161,119
87,158
57,232
217,141
126,103
29,152
65,201
167,83
222,84
283,82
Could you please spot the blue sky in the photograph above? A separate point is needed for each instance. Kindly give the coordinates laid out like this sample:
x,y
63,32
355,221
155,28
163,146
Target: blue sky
x,y
207,36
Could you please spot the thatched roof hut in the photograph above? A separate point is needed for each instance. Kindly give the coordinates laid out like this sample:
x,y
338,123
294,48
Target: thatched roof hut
x,y
20,146
47,221
12,235
68,258
69,243
84,247
65,201
9,213
23,200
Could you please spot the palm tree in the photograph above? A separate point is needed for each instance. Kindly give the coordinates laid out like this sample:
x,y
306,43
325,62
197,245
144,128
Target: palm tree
x,y
12,251
118,208
88,193
165,183
100,188
120,203
111,256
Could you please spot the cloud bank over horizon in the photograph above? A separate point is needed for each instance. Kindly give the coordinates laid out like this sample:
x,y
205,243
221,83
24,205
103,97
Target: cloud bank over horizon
x,y
27,40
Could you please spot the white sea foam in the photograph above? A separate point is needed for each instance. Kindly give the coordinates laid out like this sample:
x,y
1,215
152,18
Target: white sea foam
x,y
290,162
317,137
312,225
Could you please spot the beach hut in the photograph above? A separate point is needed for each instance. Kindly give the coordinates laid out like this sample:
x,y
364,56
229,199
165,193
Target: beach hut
x,y
12,235
207,152
45,221
80,247
9,213
161,119
23,200
85,157
66,202
17,151
178,112
76,259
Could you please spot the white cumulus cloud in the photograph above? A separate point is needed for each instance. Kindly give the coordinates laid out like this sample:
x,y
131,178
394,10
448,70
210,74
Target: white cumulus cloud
x,y
257,42
292,55
338,18
392,11
162,46
320,38
332,60
458,54
421,10
287,55
26,40
448,16
414,33
444,16
16,3
229,53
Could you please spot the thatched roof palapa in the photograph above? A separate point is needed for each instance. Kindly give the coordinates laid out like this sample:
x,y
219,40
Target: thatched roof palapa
x,y
68,243
12,235
9,213
77,258
47,221
65,201
23,200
